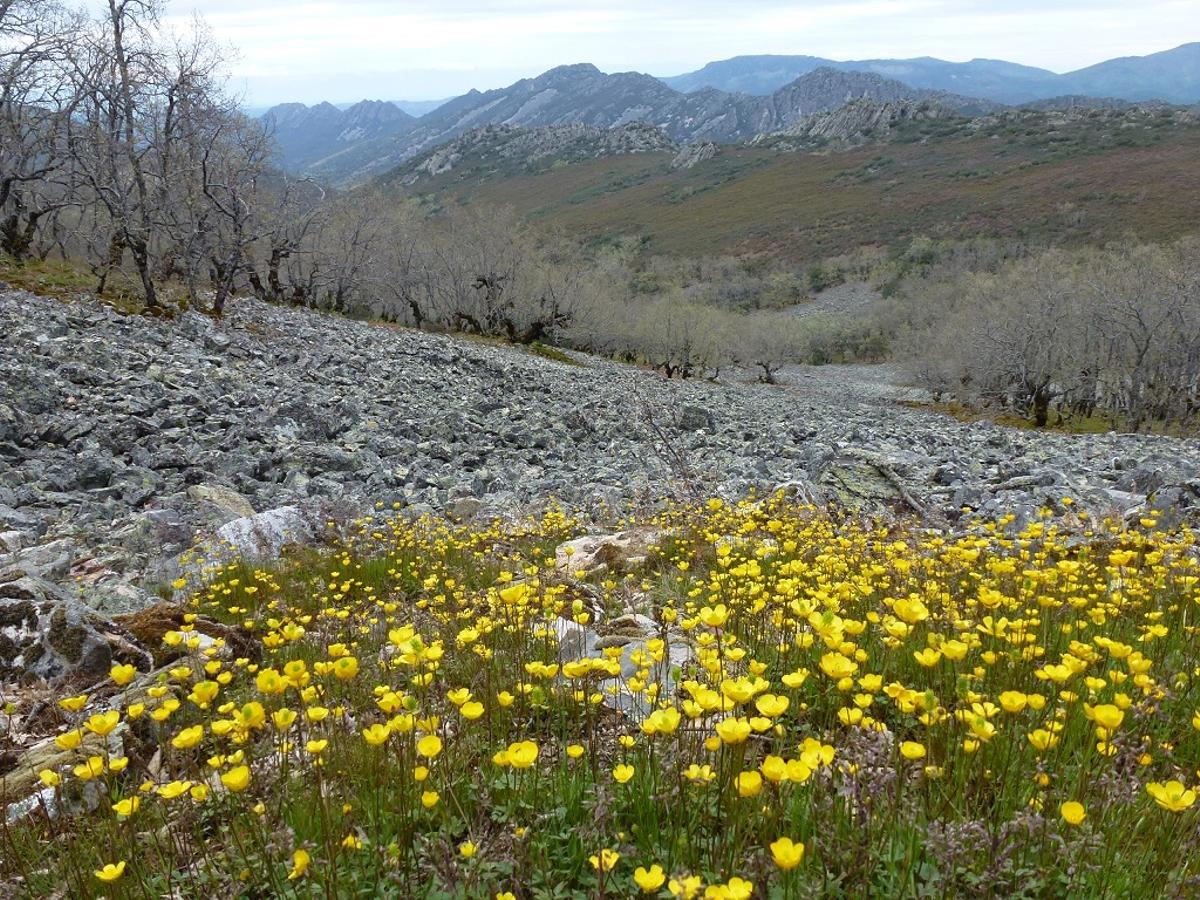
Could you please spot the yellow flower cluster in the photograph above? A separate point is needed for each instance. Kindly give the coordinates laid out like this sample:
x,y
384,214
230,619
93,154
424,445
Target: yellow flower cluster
x,y
805,680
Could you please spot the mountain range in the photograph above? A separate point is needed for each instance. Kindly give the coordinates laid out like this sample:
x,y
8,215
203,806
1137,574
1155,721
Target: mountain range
x,y
370,138
727,102
307,135
1172,76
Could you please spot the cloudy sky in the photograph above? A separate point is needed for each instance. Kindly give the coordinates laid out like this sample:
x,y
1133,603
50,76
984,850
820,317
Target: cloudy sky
x,y
346,50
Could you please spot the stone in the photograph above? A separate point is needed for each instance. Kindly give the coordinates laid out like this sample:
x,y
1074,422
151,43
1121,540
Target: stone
x,y
51,560
264,535
594,554
696,418
859,484
46,634
1178,504
463,509
575,641
226,500
12,541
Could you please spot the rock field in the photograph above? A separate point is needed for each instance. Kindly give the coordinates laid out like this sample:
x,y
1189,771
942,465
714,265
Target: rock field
x,y
123,440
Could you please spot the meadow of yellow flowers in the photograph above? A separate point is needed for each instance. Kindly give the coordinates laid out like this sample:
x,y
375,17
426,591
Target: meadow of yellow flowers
x,y
865,709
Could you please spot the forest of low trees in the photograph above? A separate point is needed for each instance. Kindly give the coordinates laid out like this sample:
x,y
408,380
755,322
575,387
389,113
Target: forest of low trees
x,y
1111,333
122,152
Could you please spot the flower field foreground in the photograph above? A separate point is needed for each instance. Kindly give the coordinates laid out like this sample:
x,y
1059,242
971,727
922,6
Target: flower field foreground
x,y
861,709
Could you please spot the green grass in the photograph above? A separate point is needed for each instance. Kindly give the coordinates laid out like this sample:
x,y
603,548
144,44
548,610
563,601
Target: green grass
x,y
69,279
537,348
552,353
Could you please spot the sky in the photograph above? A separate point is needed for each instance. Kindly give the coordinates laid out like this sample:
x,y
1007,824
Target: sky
x,y
348,50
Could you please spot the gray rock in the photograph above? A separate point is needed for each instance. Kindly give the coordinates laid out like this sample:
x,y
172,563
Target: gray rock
x,y
227,502
598,553
696,418
45,634
12,541
263,536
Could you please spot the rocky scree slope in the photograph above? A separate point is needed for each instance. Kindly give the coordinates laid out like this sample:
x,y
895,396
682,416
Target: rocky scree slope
x,y
125,439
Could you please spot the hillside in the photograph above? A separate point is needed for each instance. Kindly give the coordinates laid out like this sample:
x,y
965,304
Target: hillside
x,y
1172,76
366,582
1074,175
496,151
125,438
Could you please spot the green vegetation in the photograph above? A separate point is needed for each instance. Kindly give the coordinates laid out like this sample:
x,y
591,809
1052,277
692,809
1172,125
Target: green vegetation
x,y
829,708
1065,424
64,278
805,207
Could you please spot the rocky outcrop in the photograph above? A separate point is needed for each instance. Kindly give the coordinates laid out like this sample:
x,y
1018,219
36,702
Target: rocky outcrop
x,y
531,148
46,634
693,154
858,121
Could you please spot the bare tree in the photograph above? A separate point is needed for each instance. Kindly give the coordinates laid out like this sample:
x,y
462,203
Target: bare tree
x,y
234,168
36,100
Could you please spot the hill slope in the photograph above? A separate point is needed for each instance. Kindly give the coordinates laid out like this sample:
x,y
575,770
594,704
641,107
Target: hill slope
x,y
1076,175
123,436
306,136
1173,75
495,151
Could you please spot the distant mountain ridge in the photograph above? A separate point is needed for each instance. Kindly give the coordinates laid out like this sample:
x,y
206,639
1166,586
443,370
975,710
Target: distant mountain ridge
x,y
367,139
308,135
1171,75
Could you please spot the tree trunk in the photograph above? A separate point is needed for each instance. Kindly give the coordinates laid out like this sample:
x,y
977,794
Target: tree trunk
x,y
1041,407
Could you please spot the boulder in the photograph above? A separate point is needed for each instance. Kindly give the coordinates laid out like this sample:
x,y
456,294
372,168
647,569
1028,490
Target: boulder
x,y
12,541
46,634
1177,504
226,501
263,536
597,553
865,484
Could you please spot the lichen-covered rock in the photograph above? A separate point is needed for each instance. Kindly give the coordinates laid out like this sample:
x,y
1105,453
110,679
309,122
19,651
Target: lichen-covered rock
x,y
859,485
225,501
46,634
